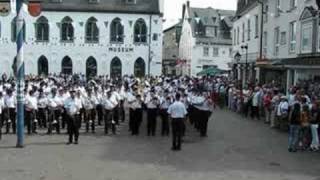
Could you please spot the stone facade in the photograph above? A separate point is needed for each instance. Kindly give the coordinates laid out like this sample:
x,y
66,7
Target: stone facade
x,y
205,39
79,51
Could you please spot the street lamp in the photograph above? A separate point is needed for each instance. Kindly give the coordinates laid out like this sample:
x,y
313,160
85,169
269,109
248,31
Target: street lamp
x,y
237,57
245,47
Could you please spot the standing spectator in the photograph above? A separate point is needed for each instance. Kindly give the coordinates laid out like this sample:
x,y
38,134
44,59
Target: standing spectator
x,y
255,104
267,104
305,123
294,122
314,126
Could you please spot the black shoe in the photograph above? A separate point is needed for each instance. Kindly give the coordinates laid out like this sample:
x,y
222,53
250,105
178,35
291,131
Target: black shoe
x,y
173,149
68,143
76,142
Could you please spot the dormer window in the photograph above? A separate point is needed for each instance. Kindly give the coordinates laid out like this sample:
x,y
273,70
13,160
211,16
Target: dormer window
x,y
93,1
131,1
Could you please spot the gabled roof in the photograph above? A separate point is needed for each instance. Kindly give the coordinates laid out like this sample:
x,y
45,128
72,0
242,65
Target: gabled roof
x,y
179,24
308,12
115,6
244,5
210,17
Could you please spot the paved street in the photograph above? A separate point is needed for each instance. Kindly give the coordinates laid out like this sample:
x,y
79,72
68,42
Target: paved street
x,y
236,149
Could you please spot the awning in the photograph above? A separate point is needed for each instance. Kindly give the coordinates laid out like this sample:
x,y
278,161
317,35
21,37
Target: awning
x,y
212,71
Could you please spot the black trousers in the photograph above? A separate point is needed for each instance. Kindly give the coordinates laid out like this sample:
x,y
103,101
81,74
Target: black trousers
x,y
255,112
64,118
90,115
165,130
42,117
131,119
121,111
11,115
54,115
136,121
73,127
152,121
100,113
176,125
30,120
108,115
1,125
116,114
203,125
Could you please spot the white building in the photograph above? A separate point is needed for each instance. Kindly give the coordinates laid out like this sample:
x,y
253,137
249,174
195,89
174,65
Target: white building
x,y
205,39
246,39
290,40
93,37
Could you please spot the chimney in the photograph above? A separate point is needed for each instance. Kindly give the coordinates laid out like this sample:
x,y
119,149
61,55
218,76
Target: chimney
x,y
183,10
188,4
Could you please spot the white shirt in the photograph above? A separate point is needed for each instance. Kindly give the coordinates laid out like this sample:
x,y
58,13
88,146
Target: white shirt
x,y
31,103
282,108
72,106
10,101
177,110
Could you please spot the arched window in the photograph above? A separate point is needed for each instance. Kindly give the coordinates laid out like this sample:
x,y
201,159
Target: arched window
x,y
43,68
42,29
116,31
14,30
66,66
92,31
139,68
115,68
67,30
91,67
140,31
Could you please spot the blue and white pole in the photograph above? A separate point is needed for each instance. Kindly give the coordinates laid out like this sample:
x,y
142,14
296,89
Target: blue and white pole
x,y
20,73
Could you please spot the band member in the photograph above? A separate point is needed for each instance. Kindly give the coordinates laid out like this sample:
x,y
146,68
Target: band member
x,y
90,103
1,113
72,106
177,112
115,97
165,102
205,110
108,113
99,106
10,110
130,100
54,111
31,103
152,103
42,109
137,115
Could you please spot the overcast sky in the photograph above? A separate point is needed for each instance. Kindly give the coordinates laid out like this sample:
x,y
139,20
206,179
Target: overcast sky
x,y
173,8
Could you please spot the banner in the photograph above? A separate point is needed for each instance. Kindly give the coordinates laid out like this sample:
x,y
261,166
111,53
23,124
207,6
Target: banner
x,y
34,8
5,8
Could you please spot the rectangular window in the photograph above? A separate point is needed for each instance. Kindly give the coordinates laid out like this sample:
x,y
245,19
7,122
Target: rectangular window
x,y
277,8
306,39
266,12
249,29
292,36
238,35
276,41
283,39
155,37
293,4
215,52
256,26
234,37
265,43
205,51
243,29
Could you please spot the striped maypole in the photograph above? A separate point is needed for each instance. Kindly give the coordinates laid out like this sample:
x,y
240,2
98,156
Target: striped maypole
x,y
20,73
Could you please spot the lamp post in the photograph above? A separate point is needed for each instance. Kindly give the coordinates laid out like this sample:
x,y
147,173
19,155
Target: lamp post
x,y
245,47
237,57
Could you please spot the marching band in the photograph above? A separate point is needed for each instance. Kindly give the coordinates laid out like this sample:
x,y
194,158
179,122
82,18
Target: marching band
x,y
57,102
